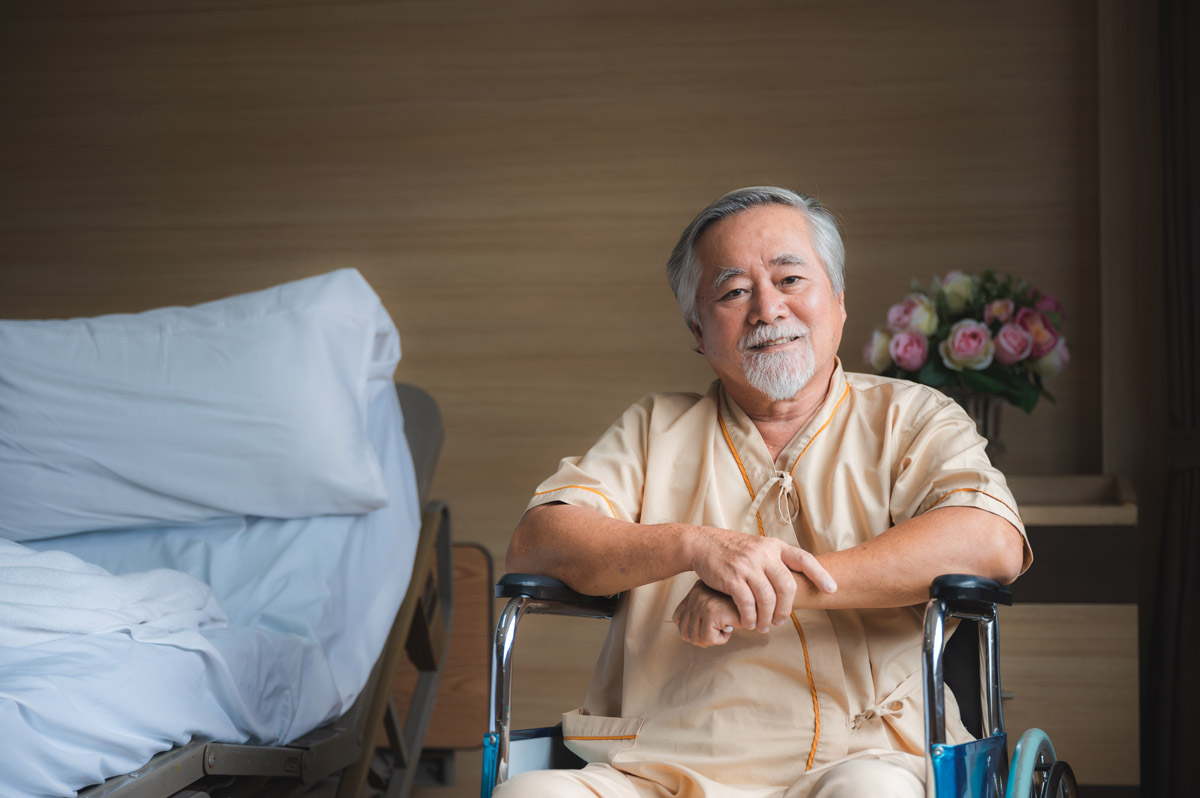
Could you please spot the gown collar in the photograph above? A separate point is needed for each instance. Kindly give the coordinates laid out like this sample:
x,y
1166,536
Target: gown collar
x,y
754,459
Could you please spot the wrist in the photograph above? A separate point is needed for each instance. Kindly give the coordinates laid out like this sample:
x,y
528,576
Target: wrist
x,y
686,538
808,595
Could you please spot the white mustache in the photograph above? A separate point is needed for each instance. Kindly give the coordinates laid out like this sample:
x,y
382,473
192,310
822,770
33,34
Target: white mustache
x,y
761,335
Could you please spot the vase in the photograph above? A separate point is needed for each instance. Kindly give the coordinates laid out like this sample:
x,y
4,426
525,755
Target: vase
x,y
984,410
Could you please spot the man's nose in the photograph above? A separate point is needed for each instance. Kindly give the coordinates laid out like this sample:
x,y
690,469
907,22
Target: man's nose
x,y
768,306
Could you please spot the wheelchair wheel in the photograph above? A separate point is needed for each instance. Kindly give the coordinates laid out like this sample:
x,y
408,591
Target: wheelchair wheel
x,y
1030,774
1060,782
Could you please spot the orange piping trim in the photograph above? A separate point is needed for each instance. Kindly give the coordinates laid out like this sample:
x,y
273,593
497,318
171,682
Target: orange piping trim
x,y
974,490
732,448
812,688
822,429
581,487
812,685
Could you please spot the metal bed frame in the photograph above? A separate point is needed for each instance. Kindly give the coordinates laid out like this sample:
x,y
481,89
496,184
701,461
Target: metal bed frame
x,y
340,759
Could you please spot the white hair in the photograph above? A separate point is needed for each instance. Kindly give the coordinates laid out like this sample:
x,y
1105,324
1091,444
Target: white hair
x,y
683,268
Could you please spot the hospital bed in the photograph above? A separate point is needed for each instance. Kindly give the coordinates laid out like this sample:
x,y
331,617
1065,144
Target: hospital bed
x,y
255,655
970,666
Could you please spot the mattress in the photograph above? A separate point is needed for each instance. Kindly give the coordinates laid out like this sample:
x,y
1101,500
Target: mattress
x,y
309,603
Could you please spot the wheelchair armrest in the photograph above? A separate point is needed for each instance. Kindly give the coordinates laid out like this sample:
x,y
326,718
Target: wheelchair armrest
x,y
545,588
973,599
970,590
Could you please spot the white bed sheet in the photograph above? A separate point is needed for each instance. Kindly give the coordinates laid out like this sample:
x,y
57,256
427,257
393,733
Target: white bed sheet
x,y
310,603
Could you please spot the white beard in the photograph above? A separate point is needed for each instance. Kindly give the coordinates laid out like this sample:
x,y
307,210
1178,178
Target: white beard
x,y
780,375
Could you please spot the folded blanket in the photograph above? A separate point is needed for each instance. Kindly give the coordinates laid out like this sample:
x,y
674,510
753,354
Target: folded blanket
x,y
51,594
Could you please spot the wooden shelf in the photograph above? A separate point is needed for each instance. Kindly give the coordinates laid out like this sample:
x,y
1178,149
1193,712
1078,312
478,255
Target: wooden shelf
x,y
1074,500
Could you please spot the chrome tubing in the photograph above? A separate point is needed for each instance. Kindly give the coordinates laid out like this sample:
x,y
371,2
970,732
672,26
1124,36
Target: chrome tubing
x,y
506,635
989,640
935,697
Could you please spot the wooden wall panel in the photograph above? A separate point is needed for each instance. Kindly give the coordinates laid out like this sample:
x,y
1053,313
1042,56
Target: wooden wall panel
x,y
510,178
1071,670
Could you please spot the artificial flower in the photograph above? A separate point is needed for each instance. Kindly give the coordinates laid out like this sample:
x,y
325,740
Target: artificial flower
x,y
909,350
876,352
968,346
915,313
993,334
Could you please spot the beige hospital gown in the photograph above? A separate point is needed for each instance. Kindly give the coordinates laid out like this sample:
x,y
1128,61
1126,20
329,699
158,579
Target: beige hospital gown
x,y
775,709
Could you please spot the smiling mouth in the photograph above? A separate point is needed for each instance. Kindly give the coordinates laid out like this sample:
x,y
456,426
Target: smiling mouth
x,y
776,342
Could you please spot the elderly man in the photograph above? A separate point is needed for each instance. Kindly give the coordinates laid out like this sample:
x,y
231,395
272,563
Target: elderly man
x,y
771,539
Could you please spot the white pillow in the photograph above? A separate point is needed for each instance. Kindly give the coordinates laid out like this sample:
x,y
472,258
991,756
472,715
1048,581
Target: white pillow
x,y
251,405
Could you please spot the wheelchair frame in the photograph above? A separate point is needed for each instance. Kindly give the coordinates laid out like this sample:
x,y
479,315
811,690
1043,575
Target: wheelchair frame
x,y
977,769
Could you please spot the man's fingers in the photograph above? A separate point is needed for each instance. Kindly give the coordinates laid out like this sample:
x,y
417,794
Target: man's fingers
x,y
785,592
805,563
700,632
764,593
720,636
747,605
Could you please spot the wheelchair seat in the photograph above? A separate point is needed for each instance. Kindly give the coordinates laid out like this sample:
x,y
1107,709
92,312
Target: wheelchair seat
x,y
969,664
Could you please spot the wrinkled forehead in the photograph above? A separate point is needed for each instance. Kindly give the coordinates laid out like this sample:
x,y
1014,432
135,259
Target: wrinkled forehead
x,y
764,234
776,237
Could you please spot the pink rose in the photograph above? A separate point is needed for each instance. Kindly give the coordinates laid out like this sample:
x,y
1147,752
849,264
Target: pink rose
x,y
1048,303
1013,344
1051,364
909,350
969,346
916,312
1044,335
1000,310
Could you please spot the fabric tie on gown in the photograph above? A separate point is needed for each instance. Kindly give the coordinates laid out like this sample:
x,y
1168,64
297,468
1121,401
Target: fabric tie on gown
x,y
787,502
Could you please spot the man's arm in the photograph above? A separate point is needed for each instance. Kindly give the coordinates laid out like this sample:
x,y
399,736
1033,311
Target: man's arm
x,y
598,555
894,569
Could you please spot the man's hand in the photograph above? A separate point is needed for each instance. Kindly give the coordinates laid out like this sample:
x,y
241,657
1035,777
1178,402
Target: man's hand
x,y
756,573
705,617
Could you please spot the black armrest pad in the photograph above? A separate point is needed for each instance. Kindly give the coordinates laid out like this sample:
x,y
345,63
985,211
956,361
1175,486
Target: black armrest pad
x,y
546,588
970,589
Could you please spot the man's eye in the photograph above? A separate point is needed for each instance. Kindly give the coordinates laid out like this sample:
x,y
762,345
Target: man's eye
x,y
791,279
734,294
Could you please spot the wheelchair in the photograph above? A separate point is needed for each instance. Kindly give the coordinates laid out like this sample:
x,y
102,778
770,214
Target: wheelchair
x,y
976,769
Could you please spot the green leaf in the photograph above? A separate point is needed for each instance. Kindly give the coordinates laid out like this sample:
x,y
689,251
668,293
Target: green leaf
x,y
943,308
934,373
1024,395
980,382
1008,382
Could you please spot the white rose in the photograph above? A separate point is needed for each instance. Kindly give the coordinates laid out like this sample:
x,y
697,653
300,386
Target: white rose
x,y
958,288
876,352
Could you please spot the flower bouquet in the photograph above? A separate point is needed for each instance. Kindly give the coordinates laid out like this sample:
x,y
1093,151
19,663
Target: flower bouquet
x,y
968,335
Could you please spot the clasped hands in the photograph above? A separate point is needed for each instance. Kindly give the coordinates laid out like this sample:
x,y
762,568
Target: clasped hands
x,y
745,582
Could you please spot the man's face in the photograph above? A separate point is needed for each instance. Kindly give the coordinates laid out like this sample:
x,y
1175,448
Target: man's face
x,y
769,319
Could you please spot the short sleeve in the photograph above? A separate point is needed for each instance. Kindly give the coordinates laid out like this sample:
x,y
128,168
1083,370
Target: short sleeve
x,y
611,477
943,464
